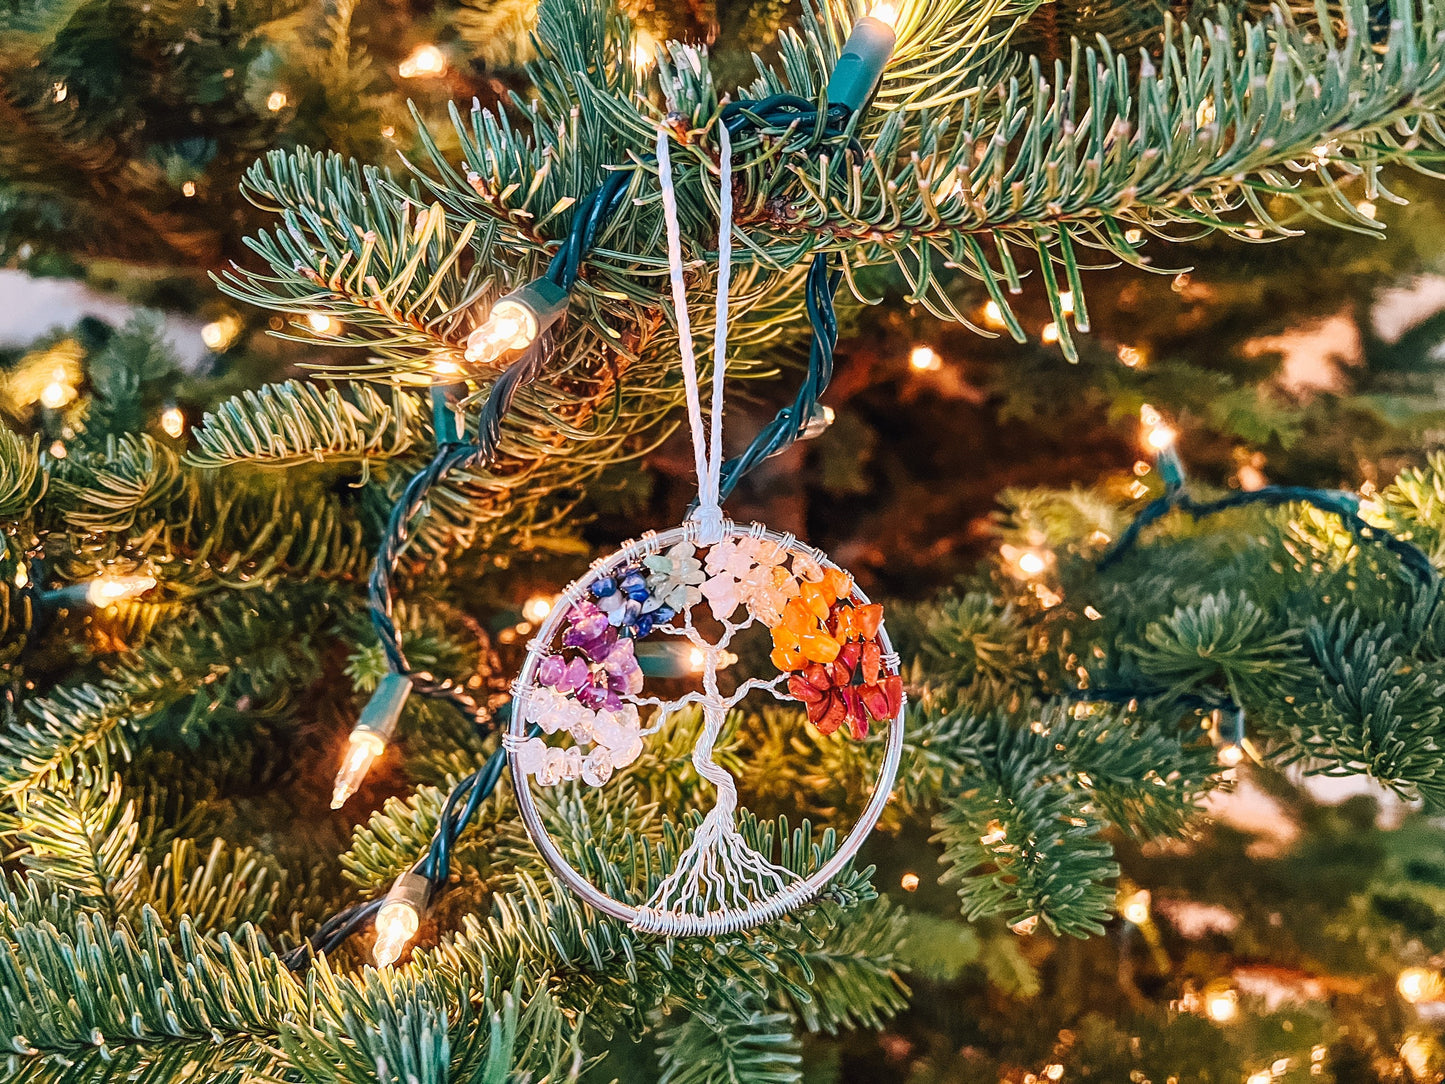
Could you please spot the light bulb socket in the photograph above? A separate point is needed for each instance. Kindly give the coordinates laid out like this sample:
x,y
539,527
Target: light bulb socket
x,y
412,889
865,54
382,711
544,298
1170,467
446,418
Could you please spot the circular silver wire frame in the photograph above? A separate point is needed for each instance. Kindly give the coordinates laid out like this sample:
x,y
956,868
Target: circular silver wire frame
x,y
647,919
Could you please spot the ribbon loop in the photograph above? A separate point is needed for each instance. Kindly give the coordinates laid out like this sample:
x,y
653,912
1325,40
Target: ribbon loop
x,y
706,442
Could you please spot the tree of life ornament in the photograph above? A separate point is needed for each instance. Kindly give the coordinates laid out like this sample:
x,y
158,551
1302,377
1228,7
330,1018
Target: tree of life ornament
x,y
578,686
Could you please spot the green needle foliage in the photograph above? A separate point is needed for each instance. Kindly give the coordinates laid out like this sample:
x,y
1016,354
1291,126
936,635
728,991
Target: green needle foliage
x,y
164,762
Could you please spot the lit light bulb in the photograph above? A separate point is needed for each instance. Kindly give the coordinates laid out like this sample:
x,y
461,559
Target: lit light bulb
x,y
1160,437
59,92
219,334
1231,754
1264,1076
104,590
323,324
1131,356
1135,907
1417,1051
511,326
909,882
276,101
1050,333
55,395
1134,236
1066,302
368,738
58,450
424,60
1157,435
188,189
818,422
1417,984
1054,1071
696,660
884,13
396,924
1366,208
992,314
925,359
21,576
644,50
536,608
173,421
361,752
1221,1004
1031,563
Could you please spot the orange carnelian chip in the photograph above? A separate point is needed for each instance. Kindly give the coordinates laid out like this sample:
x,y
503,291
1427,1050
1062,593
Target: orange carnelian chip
x,y
838,582
819,646
798,617
817,597
787,658
867,619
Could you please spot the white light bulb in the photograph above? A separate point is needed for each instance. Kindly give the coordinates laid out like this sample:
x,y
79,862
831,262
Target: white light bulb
x,y
511,326
362,750
536,608
104,590
188,189
1066,302
1032,563
424,60
885,13
1221,1006
1157,435
1160,437
1136,907
323,324
925,359
56,394
173,421
696,660
1231,755
276,101
396,924
1050,333
644,50
1417,984
992,314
